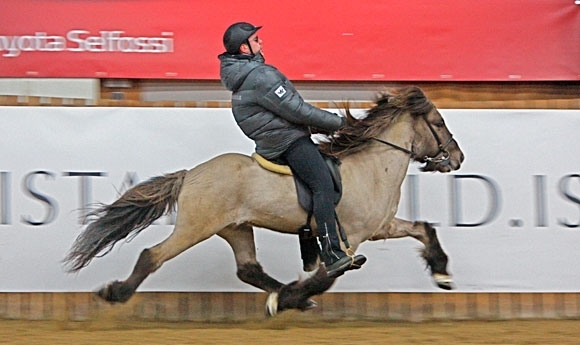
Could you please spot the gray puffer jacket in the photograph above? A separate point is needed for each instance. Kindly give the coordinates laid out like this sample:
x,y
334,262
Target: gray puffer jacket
x,y
267,107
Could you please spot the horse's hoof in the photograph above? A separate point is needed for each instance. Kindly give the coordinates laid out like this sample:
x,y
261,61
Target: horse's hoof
x,y
445,286
115,292
443,281
310,304
272,304
105,293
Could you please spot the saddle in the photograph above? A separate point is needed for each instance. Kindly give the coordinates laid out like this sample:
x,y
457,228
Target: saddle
x,y
304,194
309,249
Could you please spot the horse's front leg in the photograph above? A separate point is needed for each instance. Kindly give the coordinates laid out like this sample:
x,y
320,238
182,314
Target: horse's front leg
x,y
295,295
433,253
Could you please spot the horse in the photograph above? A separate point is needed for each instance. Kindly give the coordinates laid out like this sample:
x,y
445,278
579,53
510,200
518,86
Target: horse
x,y
231,194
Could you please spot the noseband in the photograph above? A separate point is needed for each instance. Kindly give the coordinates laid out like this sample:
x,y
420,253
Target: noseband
x,y
443,153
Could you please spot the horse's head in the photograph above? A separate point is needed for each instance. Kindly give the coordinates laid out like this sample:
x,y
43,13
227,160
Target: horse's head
x,y
434,144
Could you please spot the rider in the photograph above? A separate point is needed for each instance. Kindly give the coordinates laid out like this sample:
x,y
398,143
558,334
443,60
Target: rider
x,y
270,111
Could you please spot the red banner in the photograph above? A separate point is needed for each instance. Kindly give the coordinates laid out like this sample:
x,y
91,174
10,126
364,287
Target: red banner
x,y
320,40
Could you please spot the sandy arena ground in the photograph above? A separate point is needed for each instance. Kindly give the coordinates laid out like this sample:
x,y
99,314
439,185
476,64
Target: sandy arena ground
x,y
283,330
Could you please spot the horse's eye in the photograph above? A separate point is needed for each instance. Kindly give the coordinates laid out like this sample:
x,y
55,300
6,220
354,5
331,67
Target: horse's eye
x,y
440,124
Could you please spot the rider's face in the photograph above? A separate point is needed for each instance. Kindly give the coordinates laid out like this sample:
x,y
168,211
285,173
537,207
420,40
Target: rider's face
x,y
255,43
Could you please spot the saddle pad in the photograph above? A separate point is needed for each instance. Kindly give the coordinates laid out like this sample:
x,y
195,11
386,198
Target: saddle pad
x,y
271,166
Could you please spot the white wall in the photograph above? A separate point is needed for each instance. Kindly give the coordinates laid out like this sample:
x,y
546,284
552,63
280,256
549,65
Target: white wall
x,y
508,219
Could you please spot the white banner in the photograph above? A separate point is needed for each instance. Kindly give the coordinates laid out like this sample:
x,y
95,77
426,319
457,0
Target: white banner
x,y
509,219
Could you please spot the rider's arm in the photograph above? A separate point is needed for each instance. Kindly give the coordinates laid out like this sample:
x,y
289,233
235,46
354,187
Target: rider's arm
x,y
279,96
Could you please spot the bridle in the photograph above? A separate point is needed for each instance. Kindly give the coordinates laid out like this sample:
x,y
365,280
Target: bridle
x,y
442,157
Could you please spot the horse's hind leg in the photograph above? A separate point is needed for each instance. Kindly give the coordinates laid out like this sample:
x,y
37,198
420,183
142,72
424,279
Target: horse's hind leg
x,y
241,239
295,295
121,291
150,260
433,253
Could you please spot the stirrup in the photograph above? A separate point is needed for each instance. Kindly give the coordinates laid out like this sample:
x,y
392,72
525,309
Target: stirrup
x,y
344,264
357,260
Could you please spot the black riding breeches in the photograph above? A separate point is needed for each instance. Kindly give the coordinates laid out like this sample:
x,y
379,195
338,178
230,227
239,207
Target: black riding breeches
x,y
307,163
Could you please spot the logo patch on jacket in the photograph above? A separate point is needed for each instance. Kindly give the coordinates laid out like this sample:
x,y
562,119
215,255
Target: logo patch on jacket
x,y
280,91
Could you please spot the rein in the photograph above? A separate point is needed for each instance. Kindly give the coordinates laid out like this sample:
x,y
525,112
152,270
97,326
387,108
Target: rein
x,y
400,148
443,160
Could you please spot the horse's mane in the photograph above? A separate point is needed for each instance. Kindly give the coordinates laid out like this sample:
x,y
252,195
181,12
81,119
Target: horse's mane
x,y
388,105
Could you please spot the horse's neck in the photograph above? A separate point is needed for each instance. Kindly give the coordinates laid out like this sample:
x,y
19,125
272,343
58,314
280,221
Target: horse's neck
x,y
385,164
376,174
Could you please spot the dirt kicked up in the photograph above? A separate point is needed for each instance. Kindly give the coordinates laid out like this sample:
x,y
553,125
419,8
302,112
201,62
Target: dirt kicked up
x,y
284,330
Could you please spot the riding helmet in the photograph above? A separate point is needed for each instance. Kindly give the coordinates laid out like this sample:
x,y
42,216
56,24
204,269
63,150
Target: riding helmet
x,y
237,34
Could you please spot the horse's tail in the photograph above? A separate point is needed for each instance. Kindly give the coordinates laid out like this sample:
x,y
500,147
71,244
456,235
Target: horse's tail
x,y
134,211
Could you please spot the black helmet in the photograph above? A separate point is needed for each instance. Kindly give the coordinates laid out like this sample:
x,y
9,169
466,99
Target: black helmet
x,y
237,34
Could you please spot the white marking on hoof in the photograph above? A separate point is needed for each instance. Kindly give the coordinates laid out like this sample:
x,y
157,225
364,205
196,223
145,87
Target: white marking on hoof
x,y
443,281
272,304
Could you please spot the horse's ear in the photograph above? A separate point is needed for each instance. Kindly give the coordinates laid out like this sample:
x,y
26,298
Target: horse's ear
x,y
416,100
384,99
389,100
346,107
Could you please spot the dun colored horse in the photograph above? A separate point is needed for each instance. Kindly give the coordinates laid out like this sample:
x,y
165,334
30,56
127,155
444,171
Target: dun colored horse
x,y
230,194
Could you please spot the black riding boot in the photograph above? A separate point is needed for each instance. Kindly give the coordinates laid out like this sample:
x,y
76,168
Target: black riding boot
x,y
335,259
